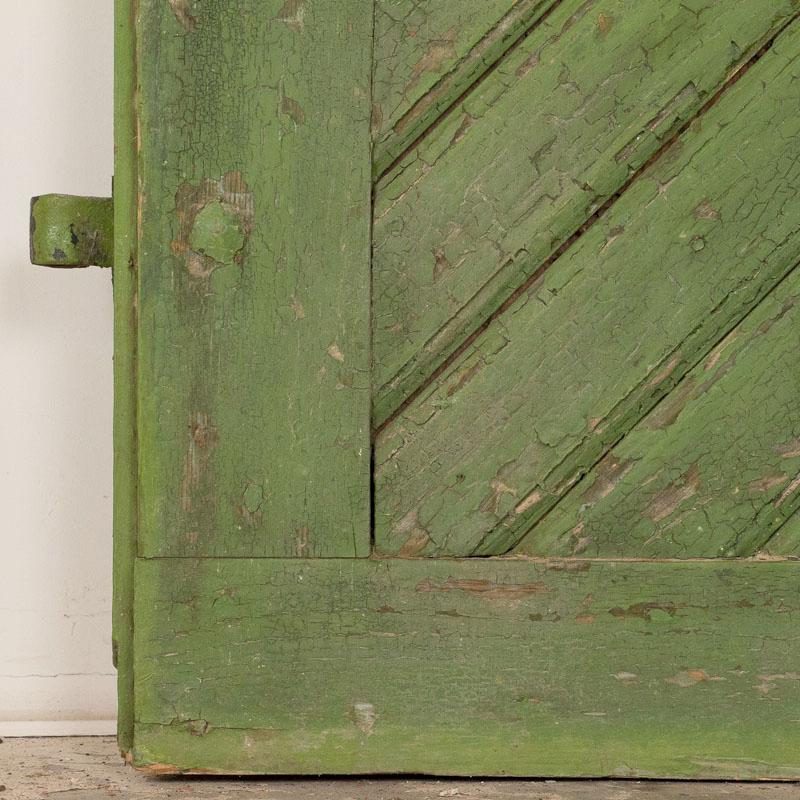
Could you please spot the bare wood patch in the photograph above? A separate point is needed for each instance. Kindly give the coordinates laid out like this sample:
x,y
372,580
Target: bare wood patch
x,y
180,8
485,589
669,499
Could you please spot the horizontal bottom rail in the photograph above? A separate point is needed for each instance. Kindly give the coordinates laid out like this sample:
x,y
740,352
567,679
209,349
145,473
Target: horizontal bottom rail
x,y
470,667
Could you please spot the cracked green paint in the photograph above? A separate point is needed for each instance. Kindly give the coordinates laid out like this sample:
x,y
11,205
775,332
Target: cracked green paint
x,y
608,330
483,201
427,53
253,268
70,231
473,667
242,345
712,470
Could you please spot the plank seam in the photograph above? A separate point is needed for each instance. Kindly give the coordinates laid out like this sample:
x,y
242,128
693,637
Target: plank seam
x,y
491,67
573,487
601,212
759,547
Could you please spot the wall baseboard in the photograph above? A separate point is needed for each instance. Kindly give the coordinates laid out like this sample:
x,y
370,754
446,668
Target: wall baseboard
x,y
69,727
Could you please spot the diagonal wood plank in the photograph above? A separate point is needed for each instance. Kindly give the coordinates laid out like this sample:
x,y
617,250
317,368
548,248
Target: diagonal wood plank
x,y
713,470
255,195
428,53
520,165
590,348
786,541
478,667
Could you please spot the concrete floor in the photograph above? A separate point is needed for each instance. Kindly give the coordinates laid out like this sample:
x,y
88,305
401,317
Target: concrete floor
x,y
89,768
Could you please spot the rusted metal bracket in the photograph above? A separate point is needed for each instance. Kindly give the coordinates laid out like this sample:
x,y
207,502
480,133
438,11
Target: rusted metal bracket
x,y
70,231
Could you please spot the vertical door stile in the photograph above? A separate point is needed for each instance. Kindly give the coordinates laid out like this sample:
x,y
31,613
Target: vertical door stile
x,y
125,519
254,278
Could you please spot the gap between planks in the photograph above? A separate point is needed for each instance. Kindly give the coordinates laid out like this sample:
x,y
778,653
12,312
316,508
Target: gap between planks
x,y
452,76
793,517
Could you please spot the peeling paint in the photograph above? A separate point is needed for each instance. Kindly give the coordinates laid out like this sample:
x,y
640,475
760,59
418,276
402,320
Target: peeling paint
x,y
293,13
609,473
197,463
485,589
668,500
492,502
766,483
604,24
297,309
415,544
645,611
705,211
439,52
687,678
180,8
215,222
292,109
766,683
364,716
788,492
301,536
579,354
665,372
528,502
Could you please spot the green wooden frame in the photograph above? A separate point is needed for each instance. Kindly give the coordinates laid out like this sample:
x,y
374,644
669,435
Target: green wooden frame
x,y
467,667
517,666
125,444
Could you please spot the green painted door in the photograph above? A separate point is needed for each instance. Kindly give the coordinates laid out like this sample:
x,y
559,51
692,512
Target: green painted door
x,y
457,387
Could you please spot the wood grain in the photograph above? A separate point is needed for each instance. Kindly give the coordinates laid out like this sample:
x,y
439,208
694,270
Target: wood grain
x,y
253,363
713,470
518,167
609,329
475,667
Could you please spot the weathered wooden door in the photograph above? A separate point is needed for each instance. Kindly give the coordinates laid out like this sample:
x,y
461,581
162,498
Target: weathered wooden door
x,y
458,380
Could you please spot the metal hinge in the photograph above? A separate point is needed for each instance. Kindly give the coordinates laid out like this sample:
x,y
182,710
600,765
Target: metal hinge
x,y
69,231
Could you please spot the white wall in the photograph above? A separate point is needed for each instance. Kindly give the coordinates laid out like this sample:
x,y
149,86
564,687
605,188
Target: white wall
x,y
55,375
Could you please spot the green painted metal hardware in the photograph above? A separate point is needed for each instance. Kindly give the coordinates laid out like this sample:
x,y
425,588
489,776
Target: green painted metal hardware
x,y
68,231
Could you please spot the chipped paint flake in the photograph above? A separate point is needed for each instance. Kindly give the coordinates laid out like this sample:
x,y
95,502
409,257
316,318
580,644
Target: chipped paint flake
x,y
293,13
485,589
181,10
215,222
669,499
687,678
364,716
335,353
705,211
297,309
